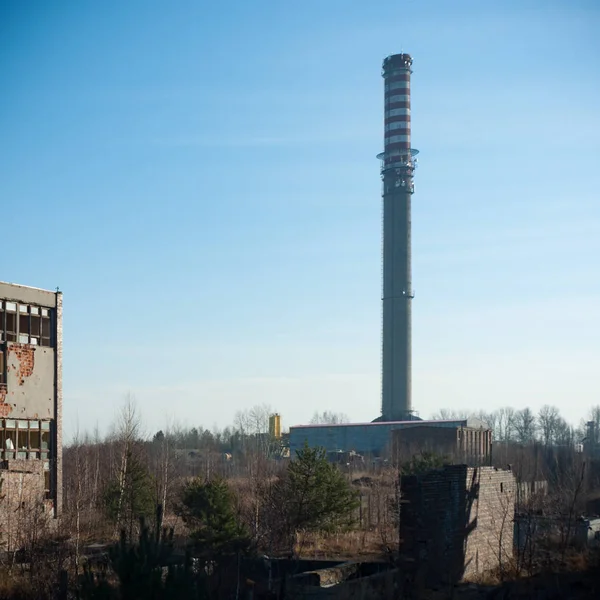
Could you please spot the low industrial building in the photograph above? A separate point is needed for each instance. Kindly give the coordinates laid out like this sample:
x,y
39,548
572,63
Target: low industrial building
x,y
382,438
468,443
30,409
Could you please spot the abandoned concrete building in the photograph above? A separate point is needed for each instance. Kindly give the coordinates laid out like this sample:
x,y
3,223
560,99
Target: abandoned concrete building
x,y
456,523
30,407
463,444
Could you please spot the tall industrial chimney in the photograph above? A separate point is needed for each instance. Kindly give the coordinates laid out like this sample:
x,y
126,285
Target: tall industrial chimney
x,y
397,168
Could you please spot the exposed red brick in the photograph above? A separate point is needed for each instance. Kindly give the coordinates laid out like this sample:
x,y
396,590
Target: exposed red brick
x,y
26,357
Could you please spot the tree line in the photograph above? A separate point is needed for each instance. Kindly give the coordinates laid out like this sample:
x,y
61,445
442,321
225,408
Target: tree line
x,y
524,426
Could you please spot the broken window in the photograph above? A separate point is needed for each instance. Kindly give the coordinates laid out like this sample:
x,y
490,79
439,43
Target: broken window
x,y
34,442
25,439
22,441
10,439
45,339
23,325
47,479
11,322
35,326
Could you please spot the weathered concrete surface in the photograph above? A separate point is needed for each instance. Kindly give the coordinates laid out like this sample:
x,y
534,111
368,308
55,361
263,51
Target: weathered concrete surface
x,y
378,586
456,523
327,577
30,381
27,295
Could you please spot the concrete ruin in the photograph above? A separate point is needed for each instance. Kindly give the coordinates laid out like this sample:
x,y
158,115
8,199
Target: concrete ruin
x,y
30,410
456,523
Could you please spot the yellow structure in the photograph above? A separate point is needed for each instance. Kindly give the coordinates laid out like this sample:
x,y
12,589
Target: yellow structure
x,y
275,426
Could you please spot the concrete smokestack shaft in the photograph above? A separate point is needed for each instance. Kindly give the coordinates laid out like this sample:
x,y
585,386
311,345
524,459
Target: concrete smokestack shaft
x,y
397,168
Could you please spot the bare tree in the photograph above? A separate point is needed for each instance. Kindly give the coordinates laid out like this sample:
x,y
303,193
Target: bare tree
x,y
525,425
80,476
564,434
128,432
328,417
446,414
505,424
548,420
164,467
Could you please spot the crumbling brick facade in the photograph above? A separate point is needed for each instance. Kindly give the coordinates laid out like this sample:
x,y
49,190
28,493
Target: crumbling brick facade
x,y
30,409
457,522
24,510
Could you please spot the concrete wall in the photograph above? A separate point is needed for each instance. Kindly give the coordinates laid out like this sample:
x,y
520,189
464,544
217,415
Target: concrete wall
x,y
344,582
30,381
460,444
33,384
457,522
27,295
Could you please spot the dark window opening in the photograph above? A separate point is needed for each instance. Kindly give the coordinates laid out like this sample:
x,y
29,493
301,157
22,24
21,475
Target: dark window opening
x,y
34,440
45,341
24,324
11,327
47,480
35,326
2,377
22,440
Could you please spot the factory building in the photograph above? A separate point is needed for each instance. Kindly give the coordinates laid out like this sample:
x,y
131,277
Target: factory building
x,y
447,437
30,406
468,443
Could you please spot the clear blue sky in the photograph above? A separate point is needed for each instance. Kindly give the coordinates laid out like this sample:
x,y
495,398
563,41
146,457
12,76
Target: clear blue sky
x,y
200,180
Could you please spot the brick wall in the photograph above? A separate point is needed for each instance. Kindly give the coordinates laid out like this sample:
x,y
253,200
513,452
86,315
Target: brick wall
x,y
58,406
24,512
457,522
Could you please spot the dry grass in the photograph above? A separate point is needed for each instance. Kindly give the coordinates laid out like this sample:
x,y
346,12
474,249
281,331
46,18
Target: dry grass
x,y
351,544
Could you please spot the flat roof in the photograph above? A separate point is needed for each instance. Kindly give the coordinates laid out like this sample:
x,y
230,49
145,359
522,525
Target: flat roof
x,y
380,423
28,287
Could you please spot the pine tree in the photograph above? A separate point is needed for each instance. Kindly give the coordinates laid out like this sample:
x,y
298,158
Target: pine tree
x,y
313,495
207,508
139,570
135,500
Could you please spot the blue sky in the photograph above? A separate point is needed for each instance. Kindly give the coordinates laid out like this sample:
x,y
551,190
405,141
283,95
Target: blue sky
x,y
200,180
